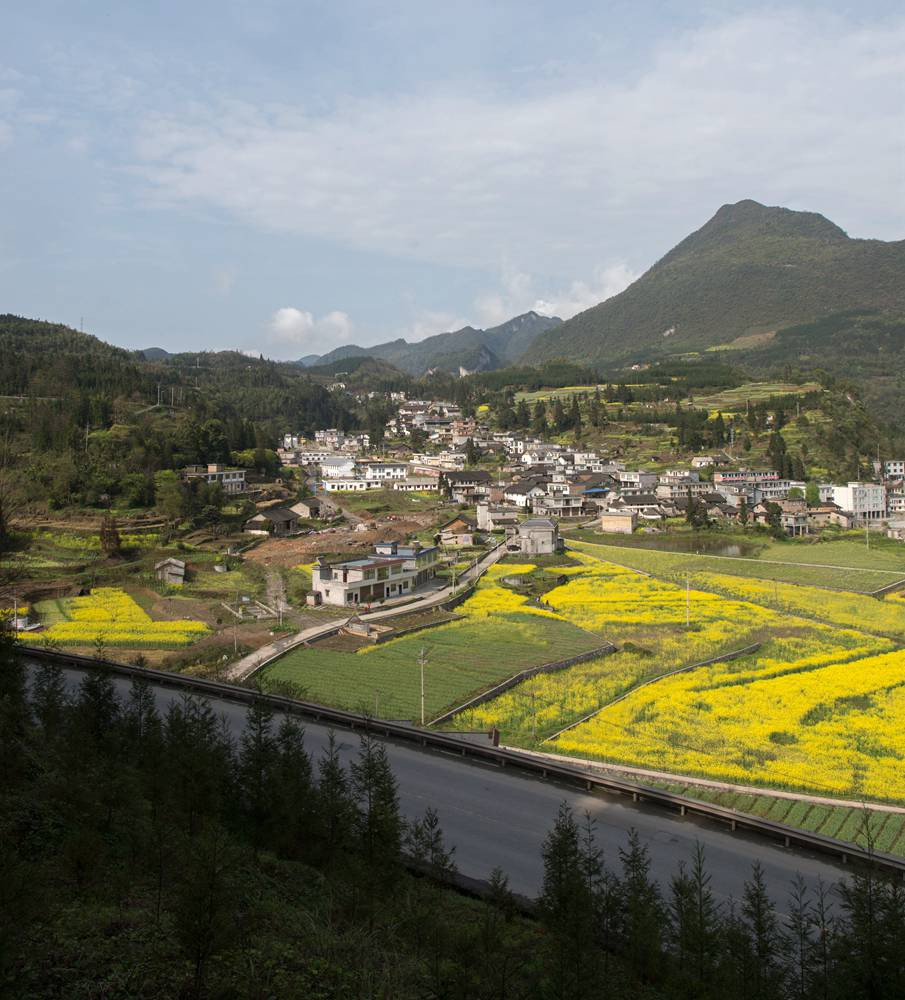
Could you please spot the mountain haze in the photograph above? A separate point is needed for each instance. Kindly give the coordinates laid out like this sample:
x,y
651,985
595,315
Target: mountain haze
x,y
469,348
749,271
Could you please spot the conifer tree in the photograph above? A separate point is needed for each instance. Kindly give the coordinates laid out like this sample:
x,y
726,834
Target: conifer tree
x,y
379,824
642,912
335,806
257,763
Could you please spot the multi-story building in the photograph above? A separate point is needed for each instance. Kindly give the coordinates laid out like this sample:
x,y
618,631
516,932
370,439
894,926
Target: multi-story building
x,y
337,467
393,570
894,469
349,484
739,476
865,501
232,480
383,470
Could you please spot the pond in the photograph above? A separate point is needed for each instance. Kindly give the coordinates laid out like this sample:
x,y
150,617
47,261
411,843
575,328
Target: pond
x,y
711,545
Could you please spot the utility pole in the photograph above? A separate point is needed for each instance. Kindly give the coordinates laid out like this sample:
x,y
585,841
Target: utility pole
x,y
422,659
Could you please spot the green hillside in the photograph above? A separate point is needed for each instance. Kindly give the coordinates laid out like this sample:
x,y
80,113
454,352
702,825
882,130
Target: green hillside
x,y
750,271
468,348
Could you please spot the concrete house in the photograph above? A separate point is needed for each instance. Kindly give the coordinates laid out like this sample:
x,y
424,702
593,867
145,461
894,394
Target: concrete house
x,y
393,570
308,508
458,533
232,480
537,536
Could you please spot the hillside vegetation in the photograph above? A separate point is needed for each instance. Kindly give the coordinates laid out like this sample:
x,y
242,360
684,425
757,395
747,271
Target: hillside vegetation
x,y
751,270
468,348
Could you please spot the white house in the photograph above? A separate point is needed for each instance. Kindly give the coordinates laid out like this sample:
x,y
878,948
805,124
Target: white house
x,y
349,484
866,501
337,467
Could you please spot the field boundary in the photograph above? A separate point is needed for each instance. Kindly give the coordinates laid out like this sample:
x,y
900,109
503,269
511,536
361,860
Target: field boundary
x,y
736,821
760,562
888,589
523,675
714,784
733,655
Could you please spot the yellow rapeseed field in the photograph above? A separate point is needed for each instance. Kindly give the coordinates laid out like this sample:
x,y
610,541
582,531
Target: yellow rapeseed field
x,y
819,706
836,728
110,616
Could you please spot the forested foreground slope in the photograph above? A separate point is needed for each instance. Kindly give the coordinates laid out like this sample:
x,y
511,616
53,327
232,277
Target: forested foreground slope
x,y
154,857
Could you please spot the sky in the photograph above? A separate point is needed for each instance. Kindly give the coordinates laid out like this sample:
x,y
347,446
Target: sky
x,y
284,178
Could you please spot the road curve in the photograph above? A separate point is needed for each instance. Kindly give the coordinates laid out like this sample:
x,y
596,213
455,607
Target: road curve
x,y
497,817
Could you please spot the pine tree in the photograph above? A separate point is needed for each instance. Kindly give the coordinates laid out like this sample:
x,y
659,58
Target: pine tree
x,y
695,927
642,912
424,842
539,419
800,926
379,824
335,806
565,904
293,806
256,766
48,698
764,946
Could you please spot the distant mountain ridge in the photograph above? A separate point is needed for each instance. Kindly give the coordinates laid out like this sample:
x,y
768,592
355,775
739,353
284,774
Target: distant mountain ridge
x,y
468,349
748,272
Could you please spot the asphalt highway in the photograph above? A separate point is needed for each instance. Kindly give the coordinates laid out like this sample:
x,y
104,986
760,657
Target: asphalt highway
x,y
497,817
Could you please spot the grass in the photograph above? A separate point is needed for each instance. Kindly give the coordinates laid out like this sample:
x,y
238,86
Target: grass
x,y
736,399
388,501
789,562
462,659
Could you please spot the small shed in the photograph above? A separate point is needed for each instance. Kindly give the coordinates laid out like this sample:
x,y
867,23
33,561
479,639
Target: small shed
x,y
277,521
308,508
170,571
620,522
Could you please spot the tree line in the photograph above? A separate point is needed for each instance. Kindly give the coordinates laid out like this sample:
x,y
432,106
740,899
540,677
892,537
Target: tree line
x,y
150,853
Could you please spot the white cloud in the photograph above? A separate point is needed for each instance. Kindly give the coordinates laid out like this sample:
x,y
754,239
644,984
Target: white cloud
x,y
756,107
428,322
296,332
519,293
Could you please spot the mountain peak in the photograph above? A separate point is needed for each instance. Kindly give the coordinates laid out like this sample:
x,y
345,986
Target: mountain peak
x,y
750,270
751,217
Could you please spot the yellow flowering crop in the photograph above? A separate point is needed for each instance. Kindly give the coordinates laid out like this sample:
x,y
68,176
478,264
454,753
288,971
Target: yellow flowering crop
x,y
110,616
833,729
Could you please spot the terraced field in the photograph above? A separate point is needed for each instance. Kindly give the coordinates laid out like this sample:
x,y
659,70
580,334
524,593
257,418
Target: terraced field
x,y
819,707
502,633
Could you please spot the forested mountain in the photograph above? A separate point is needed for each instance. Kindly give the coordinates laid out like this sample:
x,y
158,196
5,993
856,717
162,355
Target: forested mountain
x,y
50,359
85,422
750,271
469,348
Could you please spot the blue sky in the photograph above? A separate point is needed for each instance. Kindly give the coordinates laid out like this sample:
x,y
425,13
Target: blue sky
x,y
286,177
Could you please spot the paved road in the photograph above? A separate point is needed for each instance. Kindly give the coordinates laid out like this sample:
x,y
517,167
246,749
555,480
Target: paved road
x,y
496,817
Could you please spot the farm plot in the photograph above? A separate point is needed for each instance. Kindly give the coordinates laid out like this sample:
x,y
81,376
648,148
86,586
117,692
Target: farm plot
x,y
818,707
796,723
110,617
674,565
646,618
501,634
